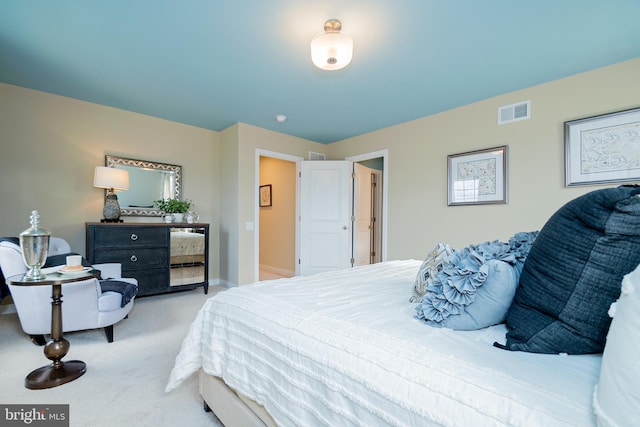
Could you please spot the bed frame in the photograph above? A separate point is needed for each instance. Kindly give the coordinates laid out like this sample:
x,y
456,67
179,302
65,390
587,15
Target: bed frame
x,y
230,407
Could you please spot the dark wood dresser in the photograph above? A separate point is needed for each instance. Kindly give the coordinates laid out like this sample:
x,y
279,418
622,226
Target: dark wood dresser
x,y
162,257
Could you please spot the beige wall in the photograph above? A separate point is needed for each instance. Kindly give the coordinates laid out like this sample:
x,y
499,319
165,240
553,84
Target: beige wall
x,y
277,222
50,144
229,222
250,139
240,144
418,215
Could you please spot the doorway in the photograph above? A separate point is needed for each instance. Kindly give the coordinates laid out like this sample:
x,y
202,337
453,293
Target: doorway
x,y
367,212
377,160
276,220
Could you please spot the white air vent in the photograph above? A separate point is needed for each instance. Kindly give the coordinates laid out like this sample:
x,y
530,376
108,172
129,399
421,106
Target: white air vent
x,y
514,112
316,156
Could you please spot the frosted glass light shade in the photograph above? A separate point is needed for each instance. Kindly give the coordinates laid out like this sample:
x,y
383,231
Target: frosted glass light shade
x,y
111,178
331,50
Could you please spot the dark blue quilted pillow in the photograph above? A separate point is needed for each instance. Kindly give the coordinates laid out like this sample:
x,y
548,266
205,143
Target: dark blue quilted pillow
x,y
573,274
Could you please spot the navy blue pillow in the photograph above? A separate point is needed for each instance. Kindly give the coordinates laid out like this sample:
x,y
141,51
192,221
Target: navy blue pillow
x,y
573,274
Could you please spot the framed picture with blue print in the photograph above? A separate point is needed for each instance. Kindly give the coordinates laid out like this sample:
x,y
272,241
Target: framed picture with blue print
x,y
477,177
603,149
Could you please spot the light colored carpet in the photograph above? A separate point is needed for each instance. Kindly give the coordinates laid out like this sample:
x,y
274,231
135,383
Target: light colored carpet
x,y
125,380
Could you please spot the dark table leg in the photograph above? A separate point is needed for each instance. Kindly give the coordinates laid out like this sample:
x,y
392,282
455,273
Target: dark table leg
x,y
58,372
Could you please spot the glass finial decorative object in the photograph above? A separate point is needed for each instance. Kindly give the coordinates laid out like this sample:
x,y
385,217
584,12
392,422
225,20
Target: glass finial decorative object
x,y
34,243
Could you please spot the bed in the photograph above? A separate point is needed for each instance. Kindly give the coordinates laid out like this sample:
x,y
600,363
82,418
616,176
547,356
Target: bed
x,y
349,339
347,348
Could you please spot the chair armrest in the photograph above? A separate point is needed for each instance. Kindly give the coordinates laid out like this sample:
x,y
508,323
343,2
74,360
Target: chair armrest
x,y
111,270
131,280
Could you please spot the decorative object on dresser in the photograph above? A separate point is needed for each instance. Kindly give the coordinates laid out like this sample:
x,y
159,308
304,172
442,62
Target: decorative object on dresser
x,y
174,207
163,257
111,179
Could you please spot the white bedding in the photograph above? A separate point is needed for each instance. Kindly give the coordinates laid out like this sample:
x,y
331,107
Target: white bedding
x,y
345,349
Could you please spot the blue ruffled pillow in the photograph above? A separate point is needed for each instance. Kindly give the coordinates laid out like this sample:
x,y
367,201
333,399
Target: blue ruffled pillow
x,y
475,288
433,263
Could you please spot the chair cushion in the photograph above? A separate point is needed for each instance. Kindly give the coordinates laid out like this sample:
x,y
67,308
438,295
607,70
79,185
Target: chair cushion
x,y
573,274
109,301
126,290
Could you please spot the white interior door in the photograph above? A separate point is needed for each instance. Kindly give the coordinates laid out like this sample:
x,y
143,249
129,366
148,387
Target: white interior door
x,y
363,224
325,216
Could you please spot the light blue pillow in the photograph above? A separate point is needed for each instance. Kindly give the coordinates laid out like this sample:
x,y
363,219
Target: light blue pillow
x,y
491,303
476,285
431,266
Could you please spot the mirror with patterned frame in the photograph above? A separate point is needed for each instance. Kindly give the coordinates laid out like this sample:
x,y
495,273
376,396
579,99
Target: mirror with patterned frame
x,y
148,181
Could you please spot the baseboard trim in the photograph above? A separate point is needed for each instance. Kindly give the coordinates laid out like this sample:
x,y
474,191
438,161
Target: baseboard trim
x,y
277,270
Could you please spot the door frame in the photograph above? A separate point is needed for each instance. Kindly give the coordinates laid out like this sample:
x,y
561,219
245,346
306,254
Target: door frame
x,y
256,215
297,159
385,190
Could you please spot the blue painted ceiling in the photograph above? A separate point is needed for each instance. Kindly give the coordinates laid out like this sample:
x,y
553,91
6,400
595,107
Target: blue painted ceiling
x,y
213,63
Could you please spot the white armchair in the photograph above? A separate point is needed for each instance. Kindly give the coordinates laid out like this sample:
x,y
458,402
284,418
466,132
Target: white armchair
x,y
84,306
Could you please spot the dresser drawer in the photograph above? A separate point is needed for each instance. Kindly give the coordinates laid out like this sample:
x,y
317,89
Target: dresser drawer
x,y
150,281
133,258
144,252
129,237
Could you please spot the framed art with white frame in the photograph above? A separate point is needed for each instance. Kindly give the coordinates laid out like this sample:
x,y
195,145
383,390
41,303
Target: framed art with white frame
x,y
603,149
477,177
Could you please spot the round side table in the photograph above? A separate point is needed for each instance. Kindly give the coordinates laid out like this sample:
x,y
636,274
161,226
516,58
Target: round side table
x,y
58,372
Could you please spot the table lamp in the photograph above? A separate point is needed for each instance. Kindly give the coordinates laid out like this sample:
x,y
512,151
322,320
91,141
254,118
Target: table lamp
x,y
112,180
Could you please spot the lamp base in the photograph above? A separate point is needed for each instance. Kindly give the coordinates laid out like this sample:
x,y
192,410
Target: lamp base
x,y
111,220
111,209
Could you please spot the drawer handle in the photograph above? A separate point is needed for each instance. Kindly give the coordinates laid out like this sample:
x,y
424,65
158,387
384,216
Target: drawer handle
x,y
134,236
133,258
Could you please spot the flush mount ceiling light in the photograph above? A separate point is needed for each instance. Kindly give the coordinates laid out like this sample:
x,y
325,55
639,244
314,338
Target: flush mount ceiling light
x,y
331,50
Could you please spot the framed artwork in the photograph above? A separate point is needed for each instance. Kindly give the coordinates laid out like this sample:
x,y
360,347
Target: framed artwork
x,y
603,149
477,177
265,195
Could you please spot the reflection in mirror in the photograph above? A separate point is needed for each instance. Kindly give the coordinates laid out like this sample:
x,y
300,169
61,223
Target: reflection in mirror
x,y
148,181
188,252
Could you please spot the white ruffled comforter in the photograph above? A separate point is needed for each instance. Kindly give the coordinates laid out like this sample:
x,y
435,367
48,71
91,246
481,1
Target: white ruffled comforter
x,y
346,349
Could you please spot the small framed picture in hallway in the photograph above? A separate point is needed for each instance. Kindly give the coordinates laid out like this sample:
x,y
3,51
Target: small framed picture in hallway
x,y
265,195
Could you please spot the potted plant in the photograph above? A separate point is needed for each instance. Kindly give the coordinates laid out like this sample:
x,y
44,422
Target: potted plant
x,y
176,207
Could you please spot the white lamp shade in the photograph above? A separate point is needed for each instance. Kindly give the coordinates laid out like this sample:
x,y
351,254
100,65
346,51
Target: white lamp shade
x,y
106,177
331,50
